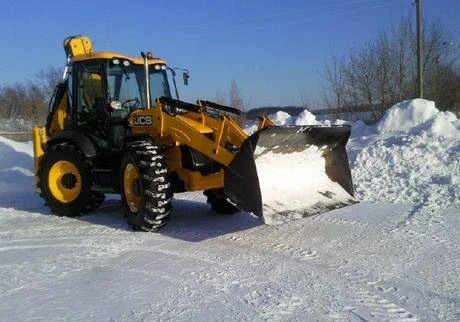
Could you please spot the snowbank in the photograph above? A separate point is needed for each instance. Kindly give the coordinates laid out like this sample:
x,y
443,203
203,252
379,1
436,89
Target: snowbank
x,y
15,125
16,165
411,155
407,114
413,158
419,117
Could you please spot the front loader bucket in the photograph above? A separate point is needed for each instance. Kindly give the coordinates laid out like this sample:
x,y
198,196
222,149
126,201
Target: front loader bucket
x,y
282,173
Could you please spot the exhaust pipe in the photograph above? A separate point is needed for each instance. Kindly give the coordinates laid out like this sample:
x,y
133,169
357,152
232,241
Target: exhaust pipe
x,y
147,77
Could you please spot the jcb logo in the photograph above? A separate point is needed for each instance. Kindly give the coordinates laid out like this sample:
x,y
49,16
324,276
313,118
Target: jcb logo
x,y
143,120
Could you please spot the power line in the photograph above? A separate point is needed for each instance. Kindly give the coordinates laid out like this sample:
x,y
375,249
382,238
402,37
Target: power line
x,y
254,20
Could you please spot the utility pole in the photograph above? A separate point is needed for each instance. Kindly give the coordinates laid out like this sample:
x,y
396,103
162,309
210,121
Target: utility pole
x,y
418,3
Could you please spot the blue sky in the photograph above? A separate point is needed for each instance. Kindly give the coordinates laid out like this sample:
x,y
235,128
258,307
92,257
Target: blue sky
x,y
275,50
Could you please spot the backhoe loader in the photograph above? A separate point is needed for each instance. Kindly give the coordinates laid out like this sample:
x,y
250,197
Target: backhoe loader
x,y
114,127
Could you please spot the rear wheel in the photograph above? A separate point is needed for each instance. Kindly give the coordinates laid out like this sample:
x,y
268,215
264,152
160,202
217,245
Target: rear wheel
x,y
65,180
219,203
146,191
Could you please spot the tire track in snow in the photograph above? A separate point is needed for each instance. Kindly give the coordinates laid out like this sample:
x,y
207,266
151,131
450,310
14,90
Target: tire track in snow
x,y
419,235
370,299
341,221
226,280
271,303
369,294
282,248
382,309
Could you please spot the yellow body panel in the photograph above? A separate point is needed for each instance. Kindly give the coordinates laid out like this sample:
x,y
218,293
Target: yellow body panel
x,y
168,128
264,122
188,129
196,125
75,46
39,140
60,116
193,180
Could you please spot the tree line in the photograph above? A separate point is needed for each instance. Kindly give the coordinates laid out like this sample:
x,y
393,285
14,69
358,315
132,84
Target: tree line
x,y
28,101
374,77
383,72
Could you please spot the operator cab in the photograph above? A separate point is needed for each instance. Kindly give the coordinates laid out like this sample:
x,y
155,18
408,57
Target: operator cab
x,y
119,82
99,91
107,89
126,85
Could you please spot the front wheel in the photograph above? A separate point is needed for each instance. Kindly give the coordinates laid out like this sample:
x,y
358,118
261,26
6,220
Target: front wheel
x,y
146,191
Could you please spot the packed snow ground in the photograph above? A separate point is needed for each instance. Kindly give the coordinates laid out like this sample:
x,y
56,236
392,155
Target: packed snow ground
x,y
393,257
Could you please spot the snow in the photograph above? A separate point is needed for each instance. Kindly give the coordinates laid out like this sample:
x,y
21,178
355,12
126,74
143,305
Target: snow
x,y
293,196
281,118
306,117
392,257
16,165
407,114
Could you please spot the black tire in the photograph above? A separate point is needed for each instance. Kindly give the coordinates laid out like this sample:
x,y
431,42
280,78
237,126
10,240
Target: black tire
x,y
67,189
145,188
219,203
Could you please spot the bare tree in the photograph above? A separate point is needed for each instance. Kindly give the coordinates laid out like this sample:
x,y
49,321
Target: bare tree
x,y
383,72
235,99
47,80
220,98
29,100
12,100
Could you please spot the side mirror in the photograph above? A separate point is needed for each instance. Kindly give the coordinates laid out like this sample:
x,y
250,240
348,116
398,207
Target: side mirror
x,y
186,76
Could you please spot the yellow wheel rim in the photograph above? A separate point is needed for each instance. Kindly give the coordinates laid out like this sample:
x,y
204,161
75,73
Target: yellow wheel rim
x,y
64,181
131,187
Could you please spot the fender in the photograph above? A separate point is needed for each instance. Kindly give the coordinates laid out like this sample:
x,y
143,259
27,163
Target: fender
x,y
79,139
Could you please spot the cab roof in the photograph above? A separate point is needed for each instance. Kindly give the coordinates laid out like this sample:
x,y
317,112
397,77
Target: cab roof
x,y
111,55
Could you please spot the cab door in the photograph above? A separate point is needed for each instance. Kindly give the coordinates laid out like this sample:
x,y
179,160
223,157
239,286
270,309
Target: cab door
x,y
91,97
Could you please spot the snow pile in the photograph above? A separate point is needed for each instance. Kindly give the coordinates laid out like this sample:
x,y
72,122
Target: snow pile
x,y
419,116
411,155
306,117
407,114
287,194
413,158
281,118
16,164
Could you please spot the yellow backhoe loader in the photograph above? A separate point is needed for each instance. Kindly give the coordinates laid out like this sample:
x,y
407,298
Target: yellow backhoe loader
x,y
114,127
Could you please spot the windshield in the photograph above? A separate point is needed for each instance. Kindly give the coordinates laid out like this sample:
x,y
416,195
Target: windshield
x,y
126,84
